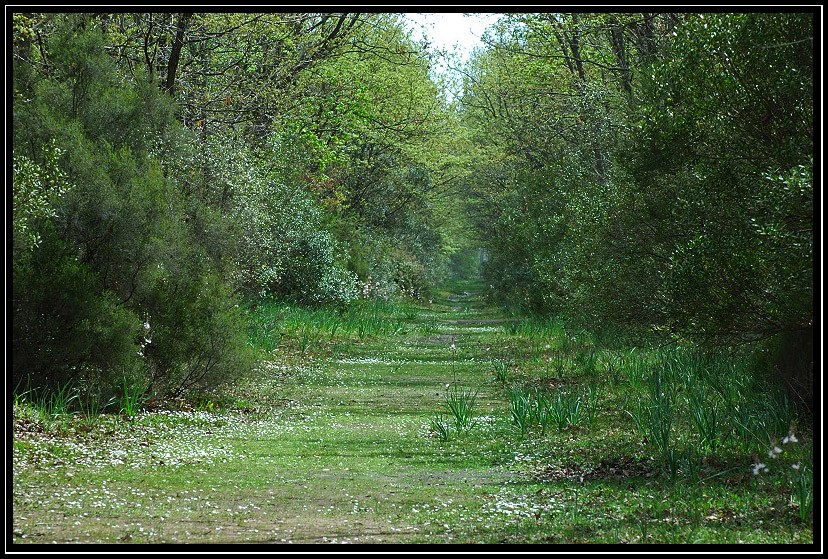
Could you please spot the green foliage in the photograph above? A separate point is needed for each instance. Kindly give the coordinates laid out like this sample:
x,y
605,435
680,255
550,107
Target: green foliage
x,y
724,220
580,485
51,402
648,173
212,155
520,408
388,266
63,325
803,492
284,248
692,404
461,406
562,409
120,248
197,339
666,190
654,414
441,427
706,417
501,370
273,322
36,191
132,398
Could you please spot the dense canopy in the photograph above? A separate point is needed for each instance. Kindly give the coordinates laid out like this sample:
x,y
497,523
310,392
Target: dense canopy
x,y
650,173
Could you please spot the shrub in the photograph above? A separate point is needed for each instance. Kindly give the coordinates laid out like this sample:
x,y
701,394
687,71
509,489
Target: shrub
x,y
64,326
125,244
284,247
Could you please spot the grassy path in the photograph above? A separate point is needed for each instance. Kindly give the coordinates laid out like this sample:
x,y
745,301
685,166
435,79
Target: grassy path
x,y
333,441
361,464
337,448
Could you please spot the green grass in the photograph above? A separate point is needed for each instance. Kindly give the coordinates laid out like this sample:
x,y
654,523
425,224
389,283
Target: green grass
x,y
501,370
461,406
390,436
275,324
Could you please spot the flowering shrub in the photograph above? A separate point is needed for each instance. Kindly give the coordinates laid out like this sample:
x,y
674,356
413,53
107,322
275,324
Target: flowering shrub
x,y
284,247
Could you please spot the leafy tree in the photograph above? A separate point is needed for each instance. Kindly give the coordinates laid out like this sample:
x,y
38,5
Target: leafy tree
x,y
652,171
83,293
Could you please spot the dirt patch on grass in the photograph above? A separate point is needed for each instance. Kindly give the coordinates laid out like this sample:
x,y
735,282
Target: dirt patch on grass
x,y
307,528
313,529
479,321
442,339
614,469
477,478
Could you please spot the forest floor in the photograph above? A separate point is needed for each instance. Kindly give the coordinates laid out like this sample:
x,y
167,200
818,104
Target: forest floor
x,y
340,443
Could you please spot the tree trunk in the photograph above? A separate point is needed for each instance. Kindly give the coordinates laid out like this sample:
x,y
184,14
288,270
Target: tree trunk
x,y
175,54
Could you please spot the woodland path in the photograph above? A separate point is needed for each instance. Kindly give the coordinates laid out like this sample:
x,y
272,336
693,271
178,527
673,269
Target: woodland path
x,y
346,456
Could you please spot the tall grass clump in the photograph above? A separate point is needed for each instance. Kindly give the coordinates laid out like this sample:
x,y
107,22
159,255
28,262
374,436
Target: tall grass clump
x,y
58,402
429,326
461,406
521,408
803,492
265,325
441,427
562,409
271,321
48,404
536,328
369,318
653,414
91,405
706,416
501,370
690,404
587,357
634,364
133,398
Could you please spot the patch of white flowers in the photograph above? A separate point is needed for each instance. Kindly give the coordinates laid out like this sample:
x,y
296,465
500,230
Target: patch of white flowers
x,y
759,467
147,338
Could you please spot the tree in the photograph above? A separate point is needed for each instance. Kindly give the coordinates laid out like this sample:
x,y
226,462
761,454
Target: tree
x,y
117,248
654,171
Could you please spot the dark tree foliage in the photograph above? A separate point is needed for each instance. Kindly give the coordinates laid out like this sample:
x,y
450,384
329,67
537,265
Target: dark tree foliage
x,y
117,261
656,173
171,167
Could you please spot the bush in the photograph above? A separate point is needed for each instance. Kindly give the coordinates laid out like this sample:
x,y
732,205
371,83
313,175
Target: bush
x,y
788,360
123,246
64,325
284,246
196,332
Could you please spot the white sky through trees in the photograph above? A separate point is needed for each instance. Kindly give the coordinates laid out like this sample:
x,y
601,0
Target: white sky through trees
x,y
452,31
457,33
